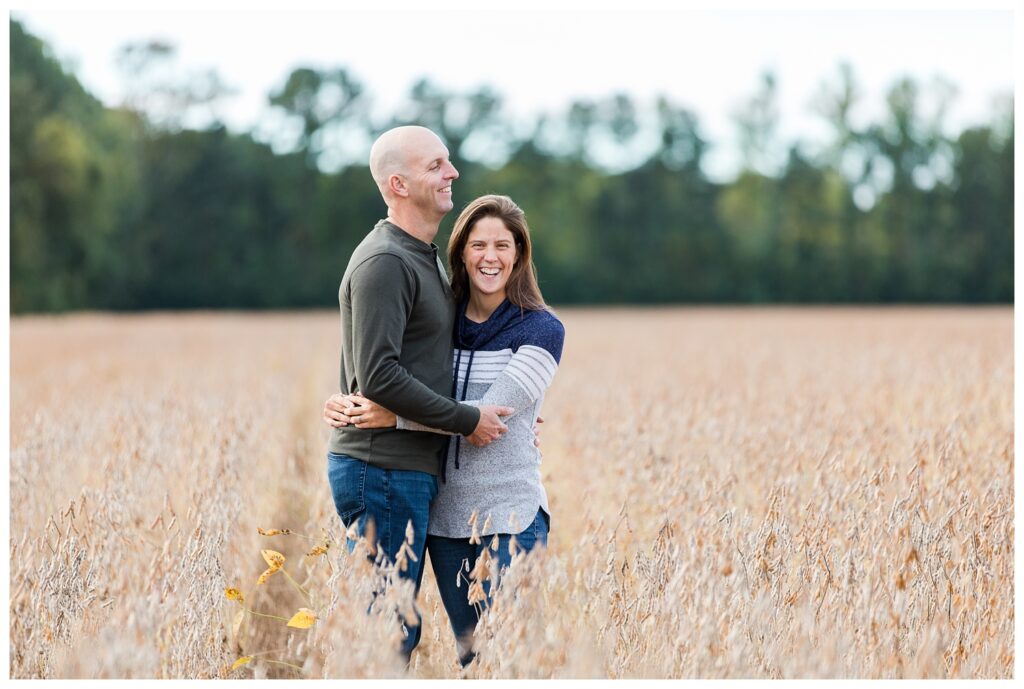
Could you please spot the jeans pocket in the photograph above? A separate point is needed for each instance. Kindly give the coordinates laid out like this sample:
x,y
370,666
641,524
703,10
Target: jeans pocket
x,y
347,477
546,526
540,528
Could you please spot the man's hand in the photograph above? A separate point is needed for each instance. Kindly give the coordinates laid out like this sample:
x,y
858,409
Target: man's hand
x,y
490,427
334,411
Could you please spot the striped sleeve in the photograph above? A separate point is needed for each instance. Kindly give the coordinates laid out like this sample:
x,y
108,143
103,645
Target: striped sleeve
x,y
533,368
533,365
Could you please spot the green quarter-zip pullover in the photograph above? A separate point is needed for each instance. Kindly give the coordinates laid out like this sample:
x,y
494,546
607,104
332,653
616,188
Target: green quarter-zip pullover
x,y
397,313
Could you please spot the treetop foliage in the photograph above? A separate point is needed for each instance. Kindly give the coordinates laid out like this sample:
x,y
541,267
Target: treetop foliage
x,y
134,207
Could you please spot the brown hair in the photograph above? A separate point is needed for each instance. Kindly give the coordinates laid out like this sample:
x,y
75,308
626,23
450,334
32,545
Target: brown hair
x,y
521,288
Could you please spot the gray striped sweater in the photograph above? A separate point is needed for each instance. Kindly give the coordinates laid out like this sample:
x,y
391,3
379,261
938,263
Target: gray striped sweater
x,y
515,354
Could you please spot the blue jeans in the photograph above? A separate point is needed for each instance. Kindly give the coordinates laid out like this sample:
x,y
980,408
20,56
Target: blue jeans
x,y
391,498
453,559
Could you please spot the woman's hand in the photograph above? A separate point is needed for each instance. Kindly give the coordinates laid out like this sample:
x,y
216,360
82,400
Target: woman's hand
x,y
365,413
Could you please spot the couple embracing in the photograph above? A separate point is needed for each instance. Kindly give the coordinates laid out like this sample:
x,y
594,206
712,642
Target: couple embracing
x,y
441,380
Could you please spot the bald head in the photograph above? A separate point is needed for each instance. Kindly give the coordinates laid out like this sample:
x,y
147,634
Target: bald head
x,y
397,151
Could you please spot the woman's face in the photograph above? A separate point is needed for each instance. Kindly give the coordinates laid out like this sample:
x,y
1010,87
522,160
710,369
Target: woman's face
x,y
489,255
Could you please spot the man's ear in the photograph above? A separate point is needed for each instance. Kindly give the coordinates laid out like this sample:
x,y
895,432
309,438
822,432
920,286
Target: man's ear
x,y
397,185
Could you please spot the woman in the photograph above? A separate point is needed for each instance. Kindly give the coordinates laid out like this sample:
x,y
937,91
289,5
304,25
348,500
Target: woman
x,y
507,348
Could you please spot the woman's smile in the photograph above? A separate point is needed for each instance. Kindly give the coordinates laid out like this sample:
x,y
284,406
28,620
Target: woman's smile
x,y
489,255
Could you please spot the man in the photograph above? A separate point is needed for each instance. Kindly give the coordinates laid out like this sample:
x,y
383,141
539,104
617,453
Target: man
x,y
397,314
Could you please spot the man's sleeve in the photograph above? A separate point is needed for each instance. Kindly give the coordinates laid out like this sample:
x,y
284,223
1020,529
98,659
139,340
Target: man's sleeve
x,y
381,295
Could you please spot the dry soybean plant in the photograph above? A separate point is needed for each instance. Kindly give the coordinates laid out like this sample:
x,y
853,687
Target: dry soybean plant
x,y
767,493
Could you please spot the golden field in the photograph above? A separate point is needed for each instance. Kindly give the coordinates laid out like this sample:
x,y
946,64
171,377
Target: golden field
x,y
735,493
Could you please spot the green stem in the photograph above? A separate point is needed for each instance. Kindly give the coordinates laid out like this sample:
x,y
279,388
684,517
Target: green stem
x,y
263,614
296,584
309,538
263,653
302,535
326,541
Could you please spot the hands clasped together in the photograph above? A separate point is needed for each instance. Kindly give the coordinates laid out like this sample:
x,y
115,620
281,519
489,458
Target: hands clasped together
x,y
344,410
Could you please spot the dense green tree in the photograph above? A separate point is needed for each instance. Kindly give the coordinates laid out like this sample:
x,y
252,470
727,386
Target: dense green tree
x,y
982,259
320,100
135,207
71,173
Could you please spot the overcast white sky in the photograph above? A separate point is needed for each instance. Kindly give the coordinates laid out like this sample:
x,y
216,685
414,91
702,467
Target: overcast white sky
x,y
538,59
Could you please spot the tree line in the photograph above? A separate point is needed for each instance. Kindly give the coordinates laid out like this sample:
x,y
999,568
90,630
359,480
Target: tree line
x,y
133,207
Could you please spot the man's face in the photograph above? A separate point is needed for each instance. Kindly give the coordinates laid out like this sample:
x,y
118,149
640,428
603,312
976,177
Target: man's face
x,y
430,176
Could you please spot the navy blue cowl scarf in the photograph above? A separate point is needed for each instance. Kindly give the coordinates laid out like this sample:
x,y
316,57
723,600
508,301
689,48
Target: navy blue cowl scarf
x,y
472,336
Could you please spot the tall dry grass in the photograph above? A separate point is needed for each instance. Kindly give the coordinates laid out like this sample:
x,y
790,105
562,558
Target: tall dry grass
x,y
735,493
